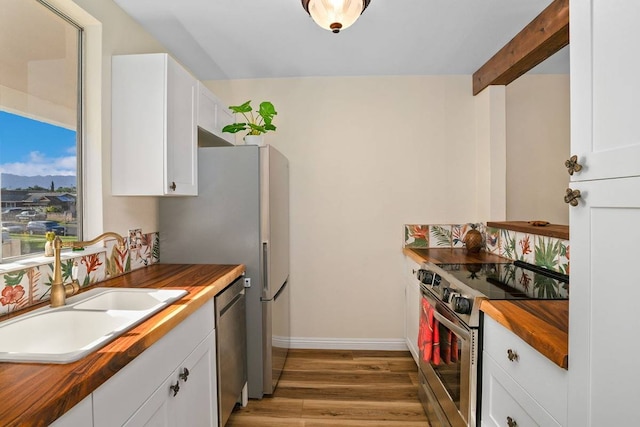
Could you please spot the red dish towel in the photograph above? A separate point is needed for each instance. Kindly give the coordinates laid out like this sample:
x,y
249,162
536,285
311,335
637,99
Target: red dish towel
x,y
429,335
448,345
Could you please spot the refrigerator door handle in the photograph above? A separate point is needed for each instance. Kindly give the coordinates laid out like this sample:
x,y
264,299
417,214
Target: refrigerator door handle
x,y
265,270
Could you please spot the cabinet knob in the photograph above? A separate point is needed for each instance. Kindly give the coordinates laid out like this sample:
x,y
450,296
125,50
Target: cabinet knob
x,y
184,375
512,355
573,165
172,187
511,422
175,388
572,196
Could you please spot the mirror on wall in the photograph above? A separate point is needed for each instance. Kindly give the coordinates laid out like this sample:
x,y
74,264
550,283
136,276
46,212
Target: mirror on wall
x,y
538,142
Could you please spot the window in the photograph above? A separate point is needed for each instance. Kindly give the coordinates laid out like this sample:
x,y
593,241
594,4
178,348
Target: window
x,y
40,126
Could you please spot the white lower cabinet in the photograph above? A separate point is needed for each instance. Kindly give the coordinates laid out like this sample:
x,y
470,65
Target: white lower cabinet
x,y
412,307
80,415
141,393
520,386
185,398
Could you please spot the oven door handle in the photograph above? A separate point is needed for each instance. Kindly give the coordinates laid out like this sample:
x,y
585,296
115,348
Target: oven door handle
x,y
462,332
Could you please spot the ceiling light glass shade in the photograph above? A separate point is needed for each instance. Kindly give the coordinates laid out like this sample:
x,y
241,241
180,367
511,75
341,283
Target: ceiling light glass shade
x,y
335,15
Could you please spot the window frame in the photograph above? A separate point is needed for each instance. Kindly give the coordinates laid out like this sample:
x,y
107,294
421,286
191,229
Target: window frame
x,y
80,128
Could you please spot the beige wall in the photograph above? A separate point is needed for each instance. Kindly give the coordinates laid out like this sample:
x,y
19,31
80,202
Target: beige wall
x,y
537,147
367,155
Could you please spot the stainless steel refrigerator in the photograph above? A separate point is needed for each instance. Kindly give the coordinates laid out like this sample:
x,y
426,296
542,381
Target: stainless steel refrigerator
x,y
241,216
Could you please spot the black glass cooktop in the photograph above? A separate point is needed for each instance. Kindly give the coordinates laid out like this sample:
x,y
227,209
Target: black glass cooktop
x,y
517,280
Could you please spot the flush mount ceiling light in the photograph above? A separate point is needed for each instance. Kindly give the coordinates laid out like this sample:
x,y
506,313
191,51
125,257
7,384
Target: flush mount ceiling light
x,y
335,15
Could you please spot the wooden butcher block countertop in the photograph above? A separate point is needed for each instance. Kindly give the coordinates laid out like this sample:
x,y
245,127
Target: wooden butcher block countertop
x,y
37,394
543,324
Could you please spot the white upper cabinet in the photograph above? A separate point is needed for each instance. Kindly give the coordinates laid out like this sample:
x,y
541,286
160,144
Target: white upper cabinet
x,y
213,115
154,132
605,89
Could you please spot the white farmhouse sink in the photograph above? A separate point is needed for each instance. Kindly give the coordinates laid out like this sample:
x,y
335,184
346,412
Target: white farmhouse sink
x,y
88,321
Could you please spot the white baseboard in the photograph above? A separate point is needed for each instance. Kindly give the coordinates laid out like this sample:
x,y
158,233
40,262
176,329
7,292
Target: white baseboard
x,y
391,344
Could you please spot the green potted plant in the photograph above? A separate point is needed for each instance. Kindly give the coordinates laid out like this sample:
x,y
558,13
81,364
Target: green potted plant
x,y
257,123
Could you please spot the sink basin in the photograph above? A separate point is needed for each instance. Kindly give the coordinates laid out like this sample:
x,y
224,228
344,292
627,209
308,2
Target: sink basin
x,y
126,299
88,322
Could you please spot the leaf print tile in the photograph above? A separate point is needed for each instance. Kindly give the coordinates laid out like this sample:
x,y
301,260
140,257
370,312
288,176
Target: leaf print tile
x,y
439,236
493,240
546,252
458,232
508,244
563,257
416,236
155,251
117,259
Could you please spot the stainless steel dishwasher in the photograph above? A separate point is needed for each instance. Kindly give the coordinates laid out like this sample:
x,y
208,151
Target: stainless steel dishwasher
x,y
231,343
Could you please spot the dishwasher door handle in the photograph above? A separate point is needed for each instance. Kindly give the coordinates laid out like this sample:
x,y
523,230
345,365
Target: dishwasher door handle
x,y
231,303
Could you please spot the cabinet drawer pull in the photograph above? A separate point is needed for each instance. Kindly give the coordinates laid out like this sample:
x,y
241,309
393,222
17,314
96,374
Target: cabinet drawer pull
x,y
512,355
511,422
172,187
175,388
572,165
184,375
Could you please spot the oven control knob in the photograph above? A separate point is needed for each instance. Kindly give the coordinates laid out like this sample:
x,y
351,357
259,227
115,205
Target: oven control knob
x,y
428,277
446,294
461,305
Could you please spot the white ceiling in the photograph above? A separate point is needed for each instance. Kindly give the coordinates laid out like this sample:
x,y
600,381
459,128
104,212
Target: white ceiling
x,y
242,39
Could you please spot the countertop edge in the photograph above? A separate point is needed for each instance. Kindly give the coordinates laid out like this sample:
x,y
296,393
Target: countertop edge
x,y
67,384
548,340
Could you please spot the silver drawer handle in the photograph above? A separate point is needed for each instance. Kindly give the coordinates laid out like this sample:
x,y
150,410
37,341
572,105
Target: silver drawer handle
x,y
512,355
511,422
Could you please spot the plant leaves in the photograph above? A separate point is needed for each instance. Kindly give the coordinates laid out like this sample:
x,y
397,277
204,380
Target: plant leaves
x,y
267,111
257,128
234,127
244,108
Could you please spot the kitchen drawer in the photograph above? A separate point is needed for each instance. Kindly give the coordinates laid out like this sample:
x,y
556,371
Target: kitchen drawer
x,y
545,381
505,403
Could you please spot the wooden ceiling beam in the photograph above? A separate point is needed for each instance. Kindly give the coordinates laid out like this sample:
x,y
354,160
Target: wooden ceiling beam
x,y
540,39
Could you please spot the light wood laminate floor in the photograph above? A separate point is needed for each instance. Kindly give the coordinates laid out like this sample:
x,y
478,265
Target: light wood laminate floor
x,y
320,388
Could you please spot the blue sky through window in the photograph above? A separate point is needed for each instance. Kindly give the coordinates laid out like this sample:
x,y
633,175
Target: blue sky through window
x,y
30,147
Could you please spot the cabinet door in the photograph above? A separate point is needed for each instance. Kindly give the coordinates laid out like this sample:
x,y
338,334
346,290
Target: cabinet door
x,y
80,415
605,89
225,117
187,397
206,109
505,403
603,326
156,411
196,402
412,308
181,143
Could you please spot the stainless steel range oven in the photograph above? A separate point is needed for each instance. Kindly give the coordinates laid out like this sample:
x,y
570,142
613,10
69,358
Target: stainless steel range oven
x,y
449,339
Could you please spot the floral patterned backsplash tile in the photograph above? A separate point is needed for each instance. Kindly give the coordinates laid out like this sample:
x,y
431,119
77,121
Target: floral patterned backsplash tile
x,y
440,236
422,236
544,251
29,282
416,236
